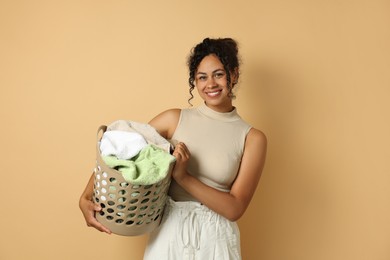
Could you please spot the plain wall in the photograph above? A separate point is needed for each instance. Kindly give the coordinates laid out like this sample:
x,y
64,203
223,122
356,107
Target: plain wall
x,y
315,78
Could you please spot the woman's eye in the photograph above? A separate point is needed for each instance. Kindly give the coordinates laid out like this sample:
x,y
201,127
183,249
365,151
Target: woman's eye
x,y
202,78
219,75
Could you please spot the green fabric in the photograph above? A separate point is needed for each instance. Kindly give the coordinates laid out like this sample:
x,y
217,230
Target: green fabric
x,y
150,166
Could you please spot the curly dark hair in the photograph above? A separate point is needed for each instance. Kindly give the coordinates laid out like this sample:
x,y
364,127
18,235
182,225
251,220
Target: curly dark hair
x,y
226,49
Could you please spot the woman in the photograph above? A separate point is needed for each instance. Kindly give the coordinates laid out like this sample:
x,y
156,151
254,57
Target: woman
x,y
219,160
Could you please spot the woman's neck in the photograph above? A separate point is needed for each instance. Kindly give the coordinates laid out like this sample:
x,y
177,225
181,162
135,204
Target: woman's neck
x,y
221,109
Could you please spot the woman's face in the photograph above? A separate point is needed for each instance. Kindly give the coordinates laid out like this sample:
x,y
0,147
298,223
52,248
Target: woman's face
x,y
211,82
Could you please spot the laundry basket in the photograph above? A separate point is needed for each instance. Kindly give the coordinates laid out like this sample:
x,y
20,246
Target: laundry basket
x,y
128,209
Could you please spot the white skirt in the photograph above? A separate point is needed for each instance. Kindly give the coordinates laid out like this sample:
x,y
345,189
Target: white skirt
x,y
190,230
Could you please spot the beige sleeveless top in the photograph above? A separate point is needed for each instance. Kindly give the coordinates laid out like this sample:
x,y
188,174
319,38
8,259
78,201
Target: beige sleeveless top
x,y
216,143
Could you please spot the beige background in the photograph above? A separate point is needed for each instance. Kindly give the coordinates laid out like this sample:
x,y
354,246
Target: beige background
x,y
315,79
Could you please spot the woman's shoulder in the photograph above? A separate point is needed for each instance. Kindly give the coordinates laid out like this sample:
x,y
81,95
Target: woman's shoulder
x,y
165,123
255,136
170,113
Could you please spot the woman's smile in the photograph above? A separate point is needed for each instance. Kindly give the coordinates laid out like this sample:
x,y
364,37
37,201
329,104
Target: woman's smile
x,y
214,93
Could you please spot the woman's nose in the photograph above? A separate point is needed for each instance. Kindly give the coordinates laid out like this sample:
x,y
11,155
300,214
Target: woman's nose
x,y
211,83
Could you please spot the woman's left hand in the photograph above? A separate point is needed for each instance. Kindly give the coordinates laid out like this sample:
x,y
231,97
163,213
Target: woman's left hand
x,y
182,155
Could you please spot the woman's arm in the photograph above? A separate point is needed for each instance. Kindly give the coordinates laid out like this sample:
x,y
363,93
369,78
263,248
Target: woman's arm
x,y
233,204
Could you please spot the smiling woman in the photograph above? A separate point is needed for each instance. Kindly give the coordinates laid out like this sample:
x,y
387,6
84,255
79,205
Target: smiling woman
x,y
219,160
211,82
226,53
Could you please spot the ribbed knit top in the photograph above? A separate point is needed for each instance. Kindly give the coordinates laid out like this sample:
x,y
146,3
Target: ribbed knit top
x,y
216,143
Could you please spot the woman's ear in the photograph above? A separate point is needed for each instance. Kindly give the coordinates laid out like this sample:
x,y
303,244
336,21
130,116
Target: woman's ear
x,y
235,74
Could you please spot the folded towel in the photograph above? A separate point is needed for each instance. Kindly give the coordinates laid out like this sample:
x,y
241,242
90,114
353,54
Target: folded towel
x,y
150,166
122,144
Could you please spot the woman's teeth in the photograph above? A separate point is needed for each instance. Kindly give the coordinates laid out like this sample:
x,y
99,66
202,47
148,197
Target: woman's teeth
x,y
213,94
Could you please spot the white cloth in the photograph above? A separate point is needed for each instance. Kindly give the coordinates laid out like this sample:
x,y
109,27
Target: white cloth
x,y
147,131
122,144
191,231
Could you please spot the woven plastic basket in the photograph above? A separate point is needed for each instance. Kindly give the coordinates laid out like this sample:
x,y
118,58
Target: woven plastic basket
x,y
128,209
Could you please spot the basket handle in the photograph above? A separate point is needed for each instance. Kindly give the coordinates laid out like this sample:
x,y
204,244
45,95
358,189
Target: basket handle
x,y
101,128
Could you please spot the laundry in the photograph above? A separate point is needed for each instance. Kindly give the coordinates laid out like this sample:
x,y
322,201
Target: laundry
x,y
122,144
150,166
147,131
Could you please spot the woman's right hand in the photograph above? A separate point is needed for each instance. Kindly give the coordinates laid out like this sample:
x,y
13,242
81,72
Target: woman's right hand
x,y
89,209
